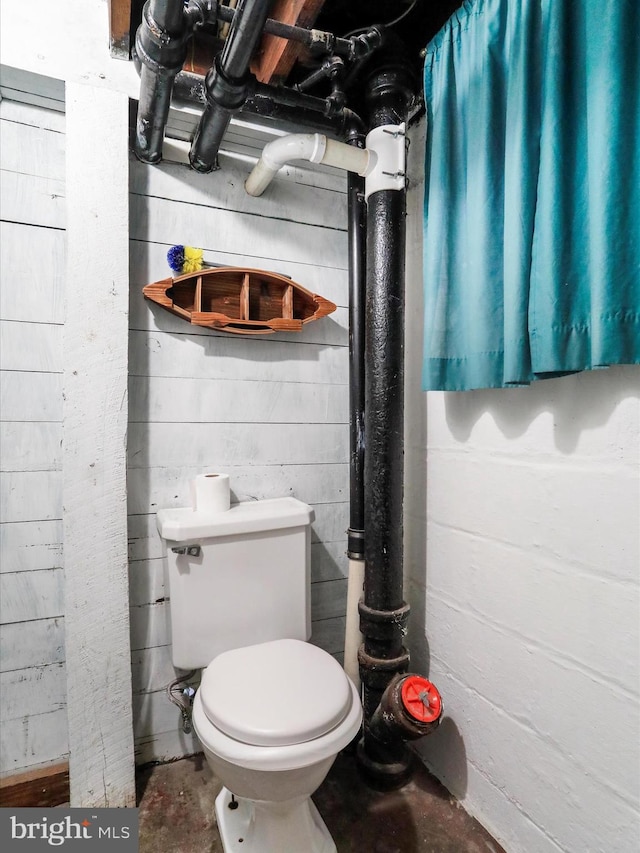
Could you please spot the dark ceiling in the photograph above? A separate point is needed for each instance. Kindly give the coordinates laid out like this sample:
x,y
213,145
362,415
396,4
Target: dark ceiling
x,y
411,23
420,20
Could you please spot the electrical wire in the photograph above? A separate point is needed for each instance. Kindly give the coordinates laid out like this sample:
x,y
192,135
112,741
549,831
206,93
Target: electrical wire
x,y
402,16
392,23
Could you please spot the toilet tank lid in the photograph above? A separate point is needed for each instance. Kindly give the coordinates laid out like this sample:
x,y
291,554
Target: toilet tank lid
x,y
184,524
278,693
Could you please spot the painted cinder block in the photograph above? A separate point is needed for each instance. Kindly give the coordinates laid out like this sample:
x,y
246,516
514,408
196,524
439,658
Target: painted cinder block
x,y
563,703
537,781
587,516
560,607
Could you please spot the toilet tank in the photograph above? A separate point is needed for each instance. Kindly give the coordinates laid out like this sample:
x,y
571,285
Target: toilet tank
x,y
237,577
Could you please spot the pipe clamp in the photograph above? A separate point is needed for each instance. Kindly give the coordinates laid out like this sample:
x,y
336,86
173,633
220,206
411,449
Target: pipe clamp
x,y
389,165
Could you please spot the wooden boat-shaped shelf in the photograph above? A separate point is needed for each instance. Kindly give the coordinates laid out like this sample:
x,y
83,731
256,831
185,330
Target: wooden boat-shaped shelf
x,y
240,300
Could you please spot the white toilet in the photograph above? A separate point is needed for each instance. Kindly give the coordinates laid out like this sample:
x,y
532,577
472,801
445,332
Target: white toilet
x,y
272,711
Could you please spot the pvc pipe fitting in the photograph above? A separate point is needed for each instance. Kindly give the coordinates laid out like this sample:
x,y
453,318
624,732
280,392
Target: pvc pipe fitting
x,y
382,162
313,147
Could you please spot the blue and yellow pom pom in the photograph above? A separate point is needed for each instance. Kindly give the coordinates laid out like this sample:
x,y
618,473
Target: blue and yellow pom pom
x,y
184,259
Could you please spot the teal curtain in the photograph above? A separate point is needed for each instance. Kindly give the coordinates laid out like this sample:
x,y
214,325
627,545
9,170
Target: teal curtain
x,y
532,192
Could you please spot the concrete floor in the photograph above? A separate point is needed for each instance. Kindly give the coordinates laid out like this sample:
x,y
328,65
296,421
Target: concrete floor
x,y
177,813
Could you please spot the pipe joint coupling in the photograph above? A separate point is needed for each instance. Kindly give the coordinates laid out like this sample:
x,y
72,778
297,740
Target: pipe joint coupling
x,y
375,672
199,12
162,52
355,544
224,92
383,624
321,41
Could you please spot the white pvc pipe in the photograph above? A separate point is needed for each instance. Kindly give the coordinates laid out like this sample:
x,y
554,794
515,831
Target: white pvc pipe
x,y
349,157
353,639
314,147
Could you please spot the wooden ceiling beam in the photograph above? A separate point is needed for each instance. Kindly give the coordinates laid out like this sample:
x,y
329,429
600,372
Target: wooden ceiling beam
x,y
121,32
272,64
276,56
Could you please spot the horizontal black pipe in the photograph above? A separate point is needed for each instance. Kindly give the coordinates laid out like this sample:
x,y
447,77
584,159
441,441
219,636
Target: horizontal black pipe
x,y
226,83
318,39
295,116
277,103
293,98
192,87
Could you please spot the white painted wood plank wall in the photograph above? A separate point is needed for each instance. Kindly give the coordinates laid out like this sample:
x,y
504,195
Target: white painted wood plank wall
x,y
33,713
271,411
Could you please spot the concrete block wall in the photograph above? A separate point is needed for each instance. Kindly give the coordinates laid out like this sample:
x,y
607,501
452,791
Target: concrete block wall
x,y
522,520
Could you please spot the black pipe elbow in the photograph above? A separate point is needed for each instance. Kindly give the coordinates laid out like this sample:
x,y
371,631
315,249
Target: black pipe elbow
x,y
365,43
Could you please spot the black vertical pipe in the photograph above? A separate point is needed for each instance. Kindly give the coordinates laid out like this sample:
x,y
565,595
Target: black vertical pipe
x,y
383,612
385,401
226,82
357,234
161,48
168,15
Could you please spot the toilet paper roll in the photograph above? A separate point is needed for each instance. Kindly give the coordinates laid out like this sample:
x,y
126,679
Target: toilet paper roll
x,y
210,493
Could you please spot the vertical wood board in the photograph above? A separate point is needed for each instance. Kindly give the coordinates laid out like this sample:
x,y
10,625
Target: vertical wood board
x,y
94,464
121,36
277,56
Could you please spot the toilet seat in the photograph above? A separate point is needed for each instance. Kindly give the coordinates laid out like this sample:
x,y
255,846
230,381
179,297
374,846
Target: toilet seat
x,y
335,719
277,693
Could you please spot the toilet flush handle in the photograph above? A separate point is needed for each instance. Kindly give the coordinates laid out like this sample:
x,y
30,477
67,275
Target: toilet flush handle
x,y
190,550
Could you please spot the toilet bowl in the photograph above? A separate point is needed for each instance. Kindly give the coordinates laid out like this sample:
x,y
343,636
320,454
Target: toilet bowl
x,y
272,711
272,718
